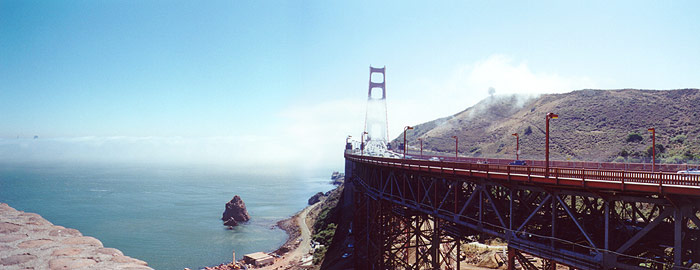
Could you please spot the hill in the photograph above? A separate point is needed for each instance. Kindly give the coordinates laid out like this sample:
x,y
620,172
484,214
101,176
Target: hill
x,y
593,125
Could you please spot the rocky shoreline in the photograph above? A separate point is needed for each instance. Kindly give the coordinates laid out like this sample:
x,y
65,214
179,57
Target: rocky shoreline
x,y
28,241
294,233
291,227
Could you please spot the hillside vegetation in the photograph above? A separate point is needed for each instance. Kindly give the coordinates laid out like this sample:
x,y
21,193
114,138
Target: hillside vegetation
x,y
593,125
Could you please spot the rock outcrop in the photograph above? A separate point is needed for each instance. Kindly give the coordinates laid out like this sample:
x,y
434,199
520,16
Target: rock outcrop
x,y
235,212
28,241
315,198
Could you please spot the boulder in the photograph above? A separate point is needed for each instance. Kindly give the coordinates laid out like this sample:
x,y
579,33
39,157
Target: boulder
x,y
235,212
231,222
315,198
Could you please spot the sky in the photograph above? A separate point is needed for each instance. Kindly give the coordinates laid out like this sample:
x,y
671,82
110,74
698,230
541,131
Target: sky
x,y
278,85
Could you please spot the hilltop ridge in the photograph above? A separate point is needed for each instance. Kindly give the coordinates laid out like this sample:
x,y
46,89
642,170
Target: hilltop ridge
x,y
593,125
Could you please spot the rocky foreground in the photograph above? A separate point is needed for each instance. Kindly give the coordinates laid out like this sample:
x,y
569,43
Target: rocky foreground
x,y
28,241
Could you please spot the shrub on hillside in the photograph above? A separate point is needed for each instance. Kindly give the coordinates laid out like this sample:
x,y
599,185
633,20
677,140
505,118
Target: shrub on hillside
x,y
688,155
675,159
624,153
325,236
634,137
659,150
619,159
319,254
679,139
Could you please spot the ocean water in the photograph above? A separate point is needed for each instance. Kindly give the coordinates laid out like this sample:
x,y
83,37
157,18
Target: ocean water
x,y
169,217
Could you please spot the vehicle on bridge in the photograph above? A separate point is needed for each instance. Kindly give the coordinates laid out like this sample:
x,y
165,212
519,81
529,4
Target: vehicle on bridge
x,y
689,171
518,162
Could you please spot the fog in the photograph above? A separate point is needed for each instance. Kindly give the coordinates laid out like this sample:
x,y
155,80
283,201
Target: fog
x,y
305,137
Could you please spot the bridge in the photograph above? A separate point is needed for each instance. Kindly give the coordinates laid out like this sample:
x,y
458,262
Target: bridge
x,y
413,213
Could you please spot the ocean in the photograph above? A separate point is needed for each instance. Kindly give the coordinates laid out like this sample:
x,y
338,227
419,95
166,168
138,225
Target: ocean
x,y
167,216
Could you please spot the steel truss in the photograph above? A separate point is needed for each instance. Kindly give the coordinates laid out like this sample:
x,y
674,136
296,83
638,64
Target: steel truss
x,y
407,219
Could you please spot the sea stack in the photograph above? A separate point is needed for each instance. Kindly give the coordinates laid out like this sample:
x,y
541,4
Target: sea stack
x,y
235,212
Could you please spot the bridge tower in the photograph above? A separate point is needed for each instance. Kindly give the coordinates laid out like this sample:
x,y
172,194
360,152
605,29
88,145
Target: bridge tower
x,y
376,124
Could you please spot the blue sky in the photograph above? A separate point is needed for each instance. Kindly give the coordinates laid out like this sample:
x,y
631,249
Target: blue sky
x,y
237,78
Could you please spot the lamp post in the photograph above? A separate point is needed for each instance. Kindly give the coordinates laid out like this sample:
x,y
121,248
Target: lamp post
x,y
517,146
653,148
456,146
546,151
362,143
421,147
404,139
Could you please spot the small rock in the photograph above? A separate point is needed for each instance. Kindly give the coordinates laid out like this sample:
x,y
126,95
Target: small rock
x,y
69,263
125,259
6,208
34,243
110,251
17,259
140,267
6,228
82,240
231,222
64,232
12,237
69,251
34,219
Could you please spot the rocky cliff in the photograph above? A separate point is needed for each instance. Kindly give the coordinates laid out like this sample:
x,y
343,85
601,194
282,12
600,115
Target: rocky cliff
x,y
315,198
28,241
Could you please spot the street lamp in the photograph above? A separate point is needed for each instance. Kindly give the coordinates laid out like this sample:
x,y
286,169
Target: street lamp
x,y
549,116
421,147
404,139
517,146
653,148
456,146
362,143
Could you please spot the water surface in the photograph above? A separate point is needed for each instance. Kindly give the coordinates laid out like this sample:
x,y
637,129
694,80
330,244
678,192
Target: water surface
x,y
167,216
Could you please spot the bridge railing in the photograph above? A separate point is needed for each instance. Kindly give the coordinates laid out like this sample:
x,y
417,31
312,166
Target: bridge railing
x,y
602,178
664,167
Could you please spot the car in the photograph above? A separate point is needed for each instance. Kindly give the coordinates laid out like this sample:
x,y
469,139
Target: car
x,y
689,171
518,163
351,245
345,255
434,159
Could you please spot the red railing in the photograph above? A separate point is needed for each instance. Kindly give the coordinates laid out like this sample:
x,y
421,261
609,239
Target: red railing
x,y
601,178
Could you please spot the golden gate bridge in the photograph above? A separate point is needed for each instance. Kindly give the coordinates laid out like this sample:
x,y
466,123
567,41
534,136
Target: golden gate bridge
x,y
415,213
